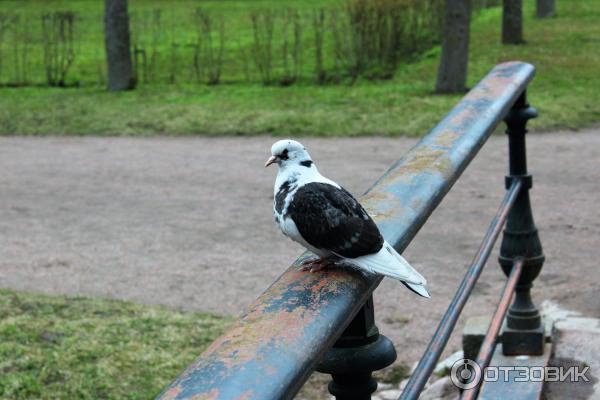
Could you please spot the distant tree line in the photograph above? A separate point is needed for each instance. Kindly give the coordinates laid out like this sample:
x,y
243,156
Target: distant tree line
x,y
365,39
279,46
370,38
378,33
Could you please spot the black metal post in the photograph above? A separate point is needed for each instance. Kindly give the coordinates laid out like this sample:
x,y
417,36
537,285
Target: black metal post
x,y
357,353
524,332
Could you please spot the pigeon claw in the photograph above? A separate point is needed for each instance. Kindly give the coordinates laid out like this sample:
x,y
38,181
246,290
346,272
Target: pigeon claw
x,y
306,267
308,262
318,267
314,265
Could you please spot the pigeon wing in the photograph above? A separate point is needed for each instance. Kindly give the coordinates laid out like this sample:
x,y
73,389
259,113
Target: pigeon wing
x,y
330,218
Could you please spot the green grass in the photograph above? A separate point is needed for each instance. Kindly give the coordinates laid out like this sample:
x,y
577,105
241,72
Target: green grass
x,y
78,348
566,91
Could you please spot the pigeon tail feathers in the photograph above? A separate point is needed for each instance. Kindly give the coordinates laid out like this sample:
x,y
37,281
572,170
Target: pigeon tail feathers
x,y
421,290
388,262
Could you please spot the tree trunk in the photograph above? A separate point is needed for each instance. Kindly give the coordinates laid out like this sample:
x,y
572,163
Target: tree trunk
x,y
545,9
452,72
118,52
512,22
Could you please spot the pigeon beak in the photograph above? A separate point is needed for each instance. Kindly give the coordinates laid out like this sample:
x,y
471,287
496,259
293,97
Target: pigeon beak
x,y
270,161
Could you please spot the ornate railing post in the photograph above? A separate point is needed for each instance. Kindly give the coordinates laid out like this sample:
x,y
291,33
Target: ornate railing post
x,y
356,354
524,331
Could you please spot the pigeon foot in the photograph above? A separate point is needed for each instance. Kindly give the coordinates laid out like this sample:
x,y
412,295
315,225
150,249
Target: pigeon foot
x,y
315,265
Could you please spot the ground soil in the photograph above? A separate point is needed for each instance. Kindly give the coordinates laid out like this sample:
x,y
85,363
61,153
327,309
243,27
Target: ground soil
x,y
187,222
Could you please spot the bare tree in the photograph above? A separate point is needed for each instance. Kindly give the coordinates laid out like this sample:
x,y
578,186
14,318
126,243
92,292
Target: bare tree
x,y
452,72
118,52
544,8
512,22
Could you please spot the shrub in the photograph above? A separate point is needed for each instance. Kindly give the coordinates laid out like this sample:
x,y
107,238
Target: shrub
x,y
319,29
263,24
5,20
208,51
291,48
57,36
372,36
423,24
17,35
147,36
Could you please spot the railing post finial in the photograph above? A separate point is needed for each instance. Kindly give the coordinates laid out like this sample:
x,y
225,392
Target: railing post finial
x,y
357,353
524,332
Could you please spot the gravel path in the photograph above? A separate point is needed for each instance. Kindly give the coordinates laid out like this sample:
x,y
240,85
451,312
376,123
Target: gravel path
x,y
186,222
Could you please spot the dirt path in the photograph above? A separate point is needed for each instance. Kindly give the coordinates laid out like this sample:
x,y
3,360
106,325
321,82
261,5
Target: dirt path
x,y
187,222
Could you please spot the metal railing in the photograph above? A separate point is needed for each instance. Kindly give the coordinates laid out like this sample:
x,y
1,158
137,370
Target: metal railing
x,y
325,321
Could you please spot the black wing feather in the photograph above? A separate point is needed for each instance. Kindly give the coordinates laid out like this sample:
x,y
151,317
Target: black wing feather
x,y
331,219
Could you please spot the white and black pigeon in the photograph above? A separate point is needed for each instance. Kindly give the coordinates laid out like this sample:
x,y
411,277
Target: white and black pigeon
x,y
323,217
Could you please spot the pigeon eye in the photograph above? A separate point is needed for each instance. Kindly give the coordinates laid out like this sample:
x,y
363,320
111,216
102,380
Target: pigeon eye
x,y
284,154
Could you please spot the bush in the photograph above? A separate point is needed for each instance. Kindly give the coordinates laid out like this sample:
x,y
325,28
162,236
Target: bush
x,y
291,48
17,36
372,36
263,25
57,34
208,51
319,30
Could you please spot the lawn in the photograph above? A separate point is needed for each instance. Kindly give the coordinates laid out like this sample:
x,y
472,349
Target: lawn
x,y
79,348
566,91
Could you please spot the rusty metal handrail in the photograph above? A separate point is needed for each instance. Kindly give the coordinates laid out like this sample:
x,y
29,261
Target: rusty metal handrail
x,y
438,342
273,348
489,342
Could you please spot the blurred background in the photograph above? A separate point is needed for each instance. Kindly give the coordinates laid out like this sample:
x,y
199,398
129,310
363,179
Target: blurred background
x,y
252,67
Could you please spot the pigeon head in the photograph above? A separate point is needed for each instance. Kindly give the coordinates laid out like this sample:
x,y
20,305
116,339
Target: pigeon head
x,y
289,152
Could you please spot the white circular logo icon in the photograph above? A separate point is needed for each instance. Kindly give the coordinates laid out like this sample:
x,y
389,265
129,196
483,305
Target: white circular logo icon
x,y
465,374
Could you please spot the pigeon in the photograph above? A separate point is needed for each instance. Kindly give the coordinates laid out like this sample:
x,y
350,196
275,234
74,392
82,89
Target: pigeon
x,y
327,220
